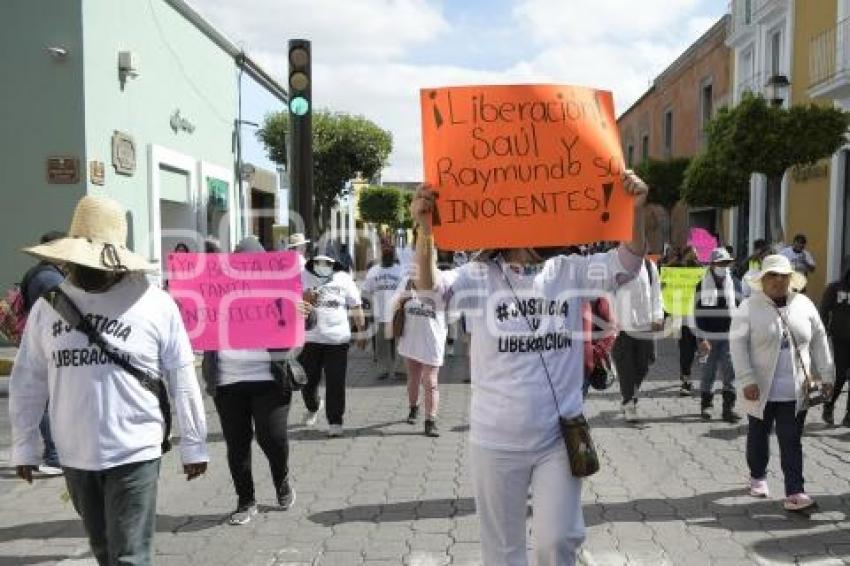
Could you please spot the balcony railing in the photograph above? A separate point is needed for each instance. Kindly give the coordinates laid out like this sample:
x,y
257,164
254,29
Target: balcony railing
x,y
829,54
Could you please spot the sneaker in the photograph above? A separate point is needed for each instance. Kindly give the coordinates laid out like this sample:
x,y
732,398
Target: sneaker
x,y
413,415
758,488
798,502
828,414
334,430
285,495
50,470
685,388
630,412
431,428
312,417
243,514
731,416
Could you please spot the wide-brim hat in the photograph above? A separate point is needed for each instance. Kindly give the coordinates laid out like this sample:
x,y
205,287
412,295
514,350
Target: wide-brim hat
x,y
97,239
297,239
777,264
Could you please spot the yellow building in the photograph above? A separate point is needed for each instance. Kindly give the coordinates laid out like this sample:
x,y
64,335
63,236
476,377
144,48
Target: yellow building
x,y
801,41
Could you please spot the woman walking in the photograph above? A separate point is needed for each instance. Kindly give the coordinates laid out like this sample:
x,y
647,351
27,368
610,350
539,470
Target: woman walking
x,y
423,345
778,343
250,401
527,356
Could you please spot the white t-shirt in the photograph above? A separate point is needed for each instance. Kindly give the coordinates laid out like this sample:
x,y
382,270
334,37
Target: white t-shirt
x,y
381,284
236,366
337,294
101,416
783,387
512,404
424,338
799,260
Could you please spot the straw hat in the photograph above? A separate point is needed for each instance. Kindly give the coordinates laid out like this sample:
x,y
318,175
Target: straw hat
x,y
96,239
296,240
777,264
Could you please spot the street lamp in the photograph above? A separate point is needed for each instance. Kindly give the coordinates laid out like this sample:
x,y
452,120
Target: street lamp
x,y
777,89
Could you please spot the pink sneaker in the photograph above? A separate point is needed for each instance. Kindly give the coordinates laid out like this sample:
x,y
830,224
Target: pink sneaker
x,y
798,502
758,488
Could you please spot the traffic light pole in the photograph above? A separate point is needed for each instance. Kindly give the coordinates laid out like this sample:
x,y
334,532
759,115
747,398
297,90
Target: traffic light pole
x,y
301,131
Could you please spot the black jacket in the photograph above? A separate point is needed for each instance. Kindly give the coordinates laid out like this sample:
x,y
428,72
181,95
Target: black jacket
x,y
835,309
714,321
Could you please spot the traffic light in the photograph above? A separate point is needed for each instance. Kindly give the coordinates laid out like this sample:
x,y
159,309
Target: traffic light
x,y
301,130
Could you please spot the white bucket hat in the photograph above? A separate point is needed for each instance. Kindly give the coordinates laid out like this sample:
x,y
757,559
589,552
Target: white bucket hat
x,y
97,239
296,240
777,264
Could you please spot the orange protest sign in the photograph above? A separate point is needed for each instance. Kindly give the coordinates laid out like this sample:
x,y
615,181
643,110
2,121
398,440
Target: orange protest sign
x,y
524,166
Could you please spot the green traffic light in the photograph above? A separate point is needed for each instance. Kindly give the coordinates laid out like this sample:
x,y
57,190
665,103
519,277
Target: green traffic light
x,y
299,106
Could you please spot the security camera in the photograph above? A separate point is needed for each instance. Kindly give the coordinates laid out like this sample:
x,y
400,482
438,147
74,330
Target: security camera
x,y
57,52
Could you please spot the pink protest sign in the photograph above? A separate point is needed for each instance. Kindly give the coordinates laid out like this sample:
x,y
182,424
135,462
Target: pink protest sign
x,y
703,242
238,301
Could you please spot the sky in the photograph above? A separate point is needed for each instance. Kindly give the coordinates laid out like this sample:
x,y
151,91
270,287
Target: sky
x,y
371,57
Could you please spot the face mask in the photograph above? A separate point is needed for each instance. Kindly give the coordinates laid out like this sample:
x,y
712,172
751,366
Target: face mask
x,y
323,269
719,271
532,268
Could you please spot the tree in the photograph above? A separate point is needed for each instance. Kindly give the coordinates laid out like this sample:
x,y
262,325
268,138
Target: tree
x,y
343,146
381,205
756,137
665,178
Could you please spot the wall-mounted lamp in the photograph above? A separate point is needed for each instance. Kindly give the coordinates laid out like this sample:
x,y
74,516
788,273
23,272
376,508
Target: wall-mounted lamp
x,y
128,65
777,89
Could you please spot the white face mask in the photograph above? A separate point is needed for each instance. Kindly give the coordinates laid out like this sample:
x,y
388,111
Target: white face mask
x,y
323,269
719,271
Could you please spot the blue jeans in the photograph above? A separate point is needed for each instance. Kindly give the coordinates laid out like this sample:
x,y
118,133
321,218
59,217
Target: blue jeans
x,y
118,508
51,458
789,433
719,358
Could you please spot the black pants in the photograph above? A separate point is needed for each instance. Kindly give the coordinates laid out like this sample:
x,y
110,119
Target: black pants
x,y
789,432
332,359
842,365
687,350
118,508
244,408
632,355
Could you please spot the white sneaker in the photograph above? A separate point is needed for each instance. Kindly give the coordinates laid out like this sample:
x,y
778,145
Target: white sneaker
x,y
630,412
334,431
50,470
759,488
310,417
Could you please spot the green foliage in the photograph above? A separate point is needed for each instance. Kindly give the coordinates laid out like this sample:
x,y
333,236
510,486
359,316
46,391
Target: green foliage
x,y
406,218
665,179
343,145
381,205
756,137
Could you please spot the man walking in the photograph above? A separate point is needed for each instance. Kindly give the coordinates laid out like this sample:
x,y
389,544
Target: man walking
x,y
801,258
100,350
717,295
379,287
835,312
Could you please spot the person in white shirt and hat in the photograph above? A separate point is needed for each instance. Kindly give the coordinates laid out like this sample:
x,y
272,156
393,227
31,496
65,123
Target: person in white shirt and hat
x,y
101,349
717,295
298,243
779,344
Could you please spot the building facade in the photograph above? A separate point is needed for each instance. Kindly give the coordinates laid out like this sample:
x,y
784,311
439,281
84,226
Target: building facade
x,y
668,122
133,100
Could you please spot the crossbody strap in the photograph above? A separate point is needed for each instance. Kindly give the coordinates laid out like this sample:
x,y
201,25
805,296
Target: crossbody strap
x,y
501,268
793,338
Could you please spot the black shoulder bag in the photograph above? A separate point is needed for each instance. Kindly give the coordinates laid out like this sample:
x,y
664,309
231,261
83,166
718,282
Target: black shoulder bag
x,y
581,452
66,308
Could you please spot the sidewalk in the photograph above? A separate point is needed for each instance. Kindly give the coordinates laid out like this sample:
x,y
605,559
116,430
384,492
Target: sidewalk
x,y
669,492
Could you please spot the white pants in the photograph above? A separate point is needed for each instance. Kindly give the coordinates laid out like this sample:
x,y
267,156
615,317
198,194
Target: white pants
x,y
501,480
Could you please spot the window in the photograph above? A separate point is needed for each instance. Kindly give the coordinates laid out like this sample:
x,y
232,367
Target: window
x,y
706,102
748,12
775,52
668,133
644,147
630,155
